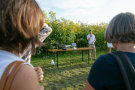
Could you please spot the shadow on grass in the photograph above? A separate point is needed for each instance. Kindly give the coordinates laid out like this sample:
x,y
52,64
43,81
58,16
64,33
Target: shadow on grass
x,y
62,67
67,77
72,80
71,74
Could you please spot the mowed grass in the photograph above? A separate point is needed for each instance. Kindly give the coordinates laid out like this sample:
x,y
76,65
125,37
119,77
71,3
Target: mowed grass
x,y
71,74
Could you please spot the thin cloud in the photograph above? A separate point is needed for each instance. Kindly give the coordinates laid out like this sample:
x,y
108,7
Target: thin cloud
x,y
87,11
71,4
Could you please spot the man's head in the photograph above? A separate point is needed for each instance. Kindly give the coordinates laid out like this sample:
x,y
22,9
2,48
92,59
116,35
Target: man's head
x,y
90,31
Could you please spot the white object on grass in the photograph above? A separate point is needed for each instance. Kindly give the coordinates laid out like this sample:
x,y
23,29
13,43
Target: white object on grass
x,y
52,62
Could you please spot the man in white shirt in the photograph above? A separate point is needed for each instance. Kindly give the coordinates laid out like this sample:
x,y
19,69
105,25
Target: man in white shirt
x,y
91,41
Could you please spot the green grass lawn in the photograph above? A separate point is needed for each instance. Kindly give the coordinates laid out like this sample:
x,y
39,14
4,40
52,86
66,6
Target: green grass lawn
x,y
71,74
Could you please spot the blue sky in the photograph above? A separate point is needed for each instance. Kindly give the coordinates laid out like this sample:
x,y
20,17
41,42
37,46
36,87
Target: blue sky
x,y
87,11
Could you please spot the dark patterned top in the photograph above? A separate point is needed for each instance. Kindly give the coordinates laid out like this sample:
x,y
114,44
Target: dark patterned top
x,y
44,33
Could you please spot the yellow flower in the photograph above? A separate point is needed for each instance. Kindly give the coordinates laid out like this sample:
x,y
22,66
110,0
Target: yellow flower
x,y
72,31
52,41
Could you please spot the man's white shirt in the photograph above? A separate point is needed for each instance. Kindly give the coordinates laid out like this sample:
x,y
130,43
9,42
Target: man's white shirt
x,y
92,38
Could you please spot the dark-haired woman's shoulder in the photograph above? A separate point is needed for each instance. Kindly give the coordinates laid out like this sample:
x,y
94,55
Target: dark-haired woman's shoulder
x,y
105,59
105,74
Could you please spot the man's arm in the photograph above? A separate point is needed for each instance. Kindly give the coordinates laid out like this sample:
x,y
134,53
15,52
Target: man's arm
x,y
94,39
88,38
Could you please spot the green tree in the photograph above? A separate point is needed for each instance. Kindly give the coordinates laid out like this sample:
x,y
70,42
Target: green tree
x,y
65,31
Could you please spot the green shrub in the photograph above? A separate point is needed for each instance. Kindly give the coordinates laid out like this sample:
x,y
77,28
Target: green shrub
x,y
68,32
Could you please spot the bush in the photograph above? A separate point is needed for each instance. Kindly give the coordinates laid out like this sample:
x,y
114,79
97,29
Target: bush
x,y
68,32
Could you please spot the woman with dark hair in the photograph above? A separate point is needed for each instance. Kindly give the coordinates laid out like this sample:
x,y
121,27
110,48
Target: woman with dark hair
x,y
105,73
20,24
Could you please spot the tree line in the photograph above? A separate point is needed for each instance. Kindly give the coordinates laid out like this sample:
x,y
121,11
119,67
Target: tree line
x,y
65,31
